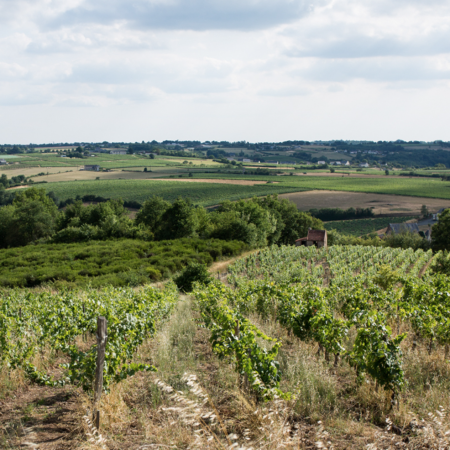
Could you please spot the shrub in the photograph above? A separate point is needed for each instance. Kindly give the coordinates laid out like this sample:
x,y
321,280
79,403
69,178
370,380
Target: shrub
x,y
194,272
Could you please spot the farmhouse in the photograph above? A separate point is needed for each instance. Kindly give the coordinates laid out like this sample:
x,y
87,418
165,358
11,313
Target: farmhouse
x,y
364,165
94,167
318,238
118,152
3,162
395,228
321,163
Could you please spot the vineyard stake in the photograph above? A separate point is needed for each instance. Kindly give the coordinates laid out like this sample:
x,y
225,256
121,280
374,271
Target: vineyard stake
x,y
101,345
84,314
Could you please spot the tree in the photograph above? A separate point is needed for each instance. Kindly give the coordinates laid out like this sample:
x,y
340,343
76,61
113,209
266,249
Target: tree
x,y
151,213
178,221
32,221
441,232
6,225
332,170
424,211
386,172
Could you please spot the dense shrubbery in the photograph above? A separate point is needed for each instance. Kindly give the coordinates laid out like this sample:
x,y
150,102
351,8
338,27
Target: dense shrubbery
x,y
117,263
328,214
194,272
401,240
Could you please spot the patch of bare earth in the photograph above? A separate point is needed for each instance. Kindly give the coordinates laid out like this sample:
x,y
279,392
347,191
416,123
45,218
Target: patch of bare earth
x,y
43,418
382,203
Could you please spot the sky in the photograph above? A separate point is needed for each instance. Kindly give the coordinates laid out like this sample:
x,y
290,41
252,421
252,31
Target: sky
x,y
254,70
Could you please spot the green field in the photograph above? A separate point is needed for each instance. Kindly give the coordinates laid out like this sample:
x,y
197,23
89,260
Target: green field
x,y
360,227
204,194
417,187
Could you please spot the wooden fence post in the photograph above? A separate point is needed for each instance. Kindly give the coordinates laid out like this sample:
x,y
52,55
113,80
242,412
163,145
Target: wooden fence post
x,y
101,345
84,315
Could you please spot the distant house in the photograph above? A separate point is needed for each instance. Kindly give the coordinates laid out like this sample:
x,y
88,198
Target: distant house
x,y
94,167
436,216
395,228
321,163
346,163
3,162
364,165
118,152
246,160
318,238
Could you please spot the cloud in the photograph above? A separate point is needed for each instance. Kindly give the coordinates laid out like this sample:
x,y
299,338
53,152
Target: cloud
x,y
199,15
364,46
375,70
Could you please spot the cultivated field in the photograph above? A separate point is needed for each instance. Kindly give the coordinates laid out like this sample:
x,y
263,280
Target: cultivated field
x,y
205,194
382,204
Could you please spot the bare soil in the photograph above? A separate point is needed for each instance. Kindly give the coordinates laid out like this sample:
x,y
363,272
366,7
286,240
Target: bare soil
x,y
41,418
382,203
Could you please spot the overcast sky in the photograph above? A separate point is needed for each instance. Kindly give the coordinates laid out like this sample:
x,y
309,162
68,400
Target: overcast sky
x,y
255,70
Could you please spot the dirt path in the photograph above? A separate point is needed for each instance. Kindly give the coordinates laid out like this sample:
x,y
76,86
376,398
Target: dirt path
x,y
43,418
221,266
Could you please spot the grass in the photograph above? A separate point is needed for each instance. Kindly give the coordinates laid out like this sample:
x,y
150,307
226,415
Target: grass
x,y
360,227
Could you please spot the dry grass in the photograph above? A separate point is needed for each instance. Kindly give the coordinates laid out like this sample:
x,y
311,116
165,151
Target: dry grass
x,y
194,401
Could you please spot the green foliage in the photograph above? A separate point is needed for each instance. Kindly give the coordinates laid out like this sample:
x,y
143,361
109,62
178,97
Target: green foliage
x,y
360,227
386,277
361,293
117,263
234,337
131,316
31,216
441,232
406,239
191,274
441,263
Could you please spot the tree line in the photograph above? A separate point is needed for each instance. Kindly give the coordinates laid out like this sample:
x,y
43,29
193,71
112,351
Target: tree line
x,y
33,216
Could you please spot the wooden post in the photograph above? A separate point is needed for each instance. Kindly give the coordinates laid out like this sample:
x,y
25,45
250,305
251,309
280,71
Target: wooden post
x,y
84,314
101,345
20,313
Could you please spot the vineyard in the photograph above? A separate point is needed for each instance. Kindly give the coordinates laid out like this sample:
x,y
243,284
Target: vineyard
x,y
294,347
359,227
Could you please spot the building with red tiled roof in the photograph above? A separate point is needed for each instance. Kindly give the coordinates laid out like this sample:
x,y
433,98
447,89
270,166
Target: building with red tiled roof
x,y
315,237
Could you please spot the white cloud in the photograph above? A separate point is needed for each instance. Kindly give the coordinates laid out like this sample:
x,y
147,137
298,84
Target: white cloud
x,y
261,66
241,15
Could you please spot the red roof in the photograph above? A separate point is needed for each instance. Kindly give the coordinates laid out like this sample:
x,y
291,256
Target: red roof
x,y
316,235
302,239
